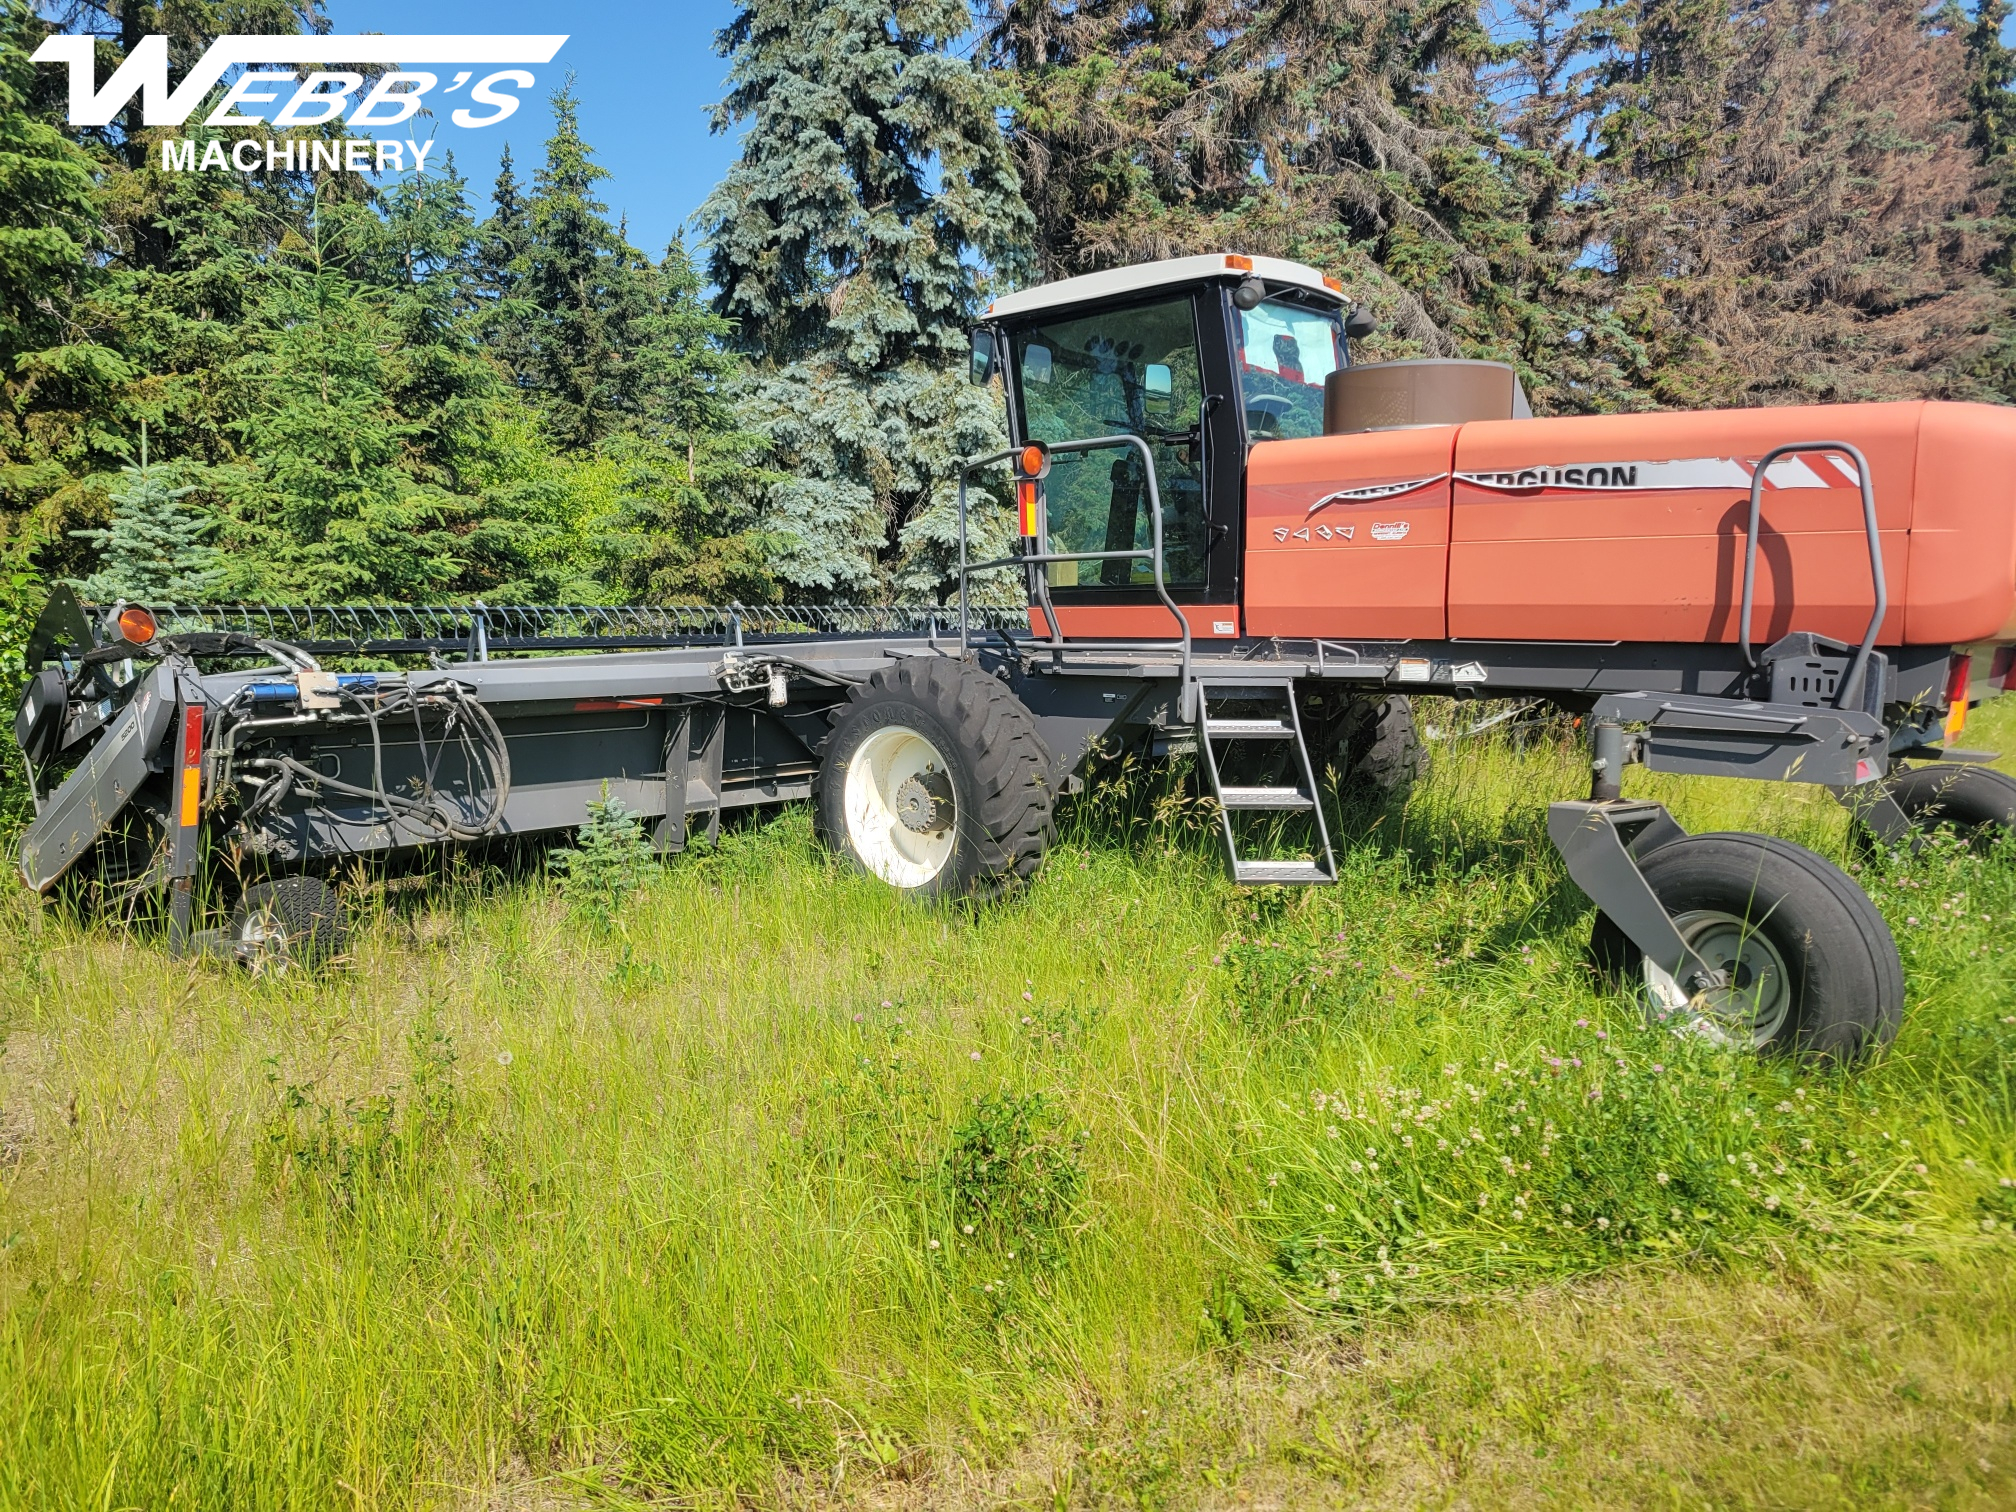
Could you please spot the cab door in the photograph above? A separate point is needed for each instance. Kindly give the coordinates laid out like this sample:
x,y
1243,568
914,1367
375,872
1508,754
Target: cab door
x,y
1138,369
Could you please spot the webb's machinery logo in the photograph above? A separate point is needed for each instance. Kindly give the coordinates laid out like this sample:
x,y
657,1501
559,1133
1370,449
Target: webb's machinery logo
x,y
312,96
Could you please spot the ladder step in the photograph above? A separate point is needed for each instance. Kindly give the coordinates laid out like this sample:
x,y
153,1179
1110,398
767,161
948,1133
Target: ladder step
x,y
1265,798
1273,690
1306,873
1249,729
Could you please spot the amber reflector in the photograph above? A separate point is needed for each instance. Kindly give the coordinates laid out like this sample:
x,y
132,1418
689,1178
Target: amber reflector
x,y
1958,679
136,624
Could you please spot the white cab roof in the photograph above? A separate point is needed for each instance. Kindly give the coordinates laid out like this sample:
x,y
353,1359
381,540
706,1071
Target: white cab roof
x,y
1143,277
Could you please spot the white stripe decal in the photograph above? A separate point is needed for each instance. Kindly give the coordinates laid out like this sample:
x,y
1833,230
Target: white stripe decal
x,y
1676,473
1372,492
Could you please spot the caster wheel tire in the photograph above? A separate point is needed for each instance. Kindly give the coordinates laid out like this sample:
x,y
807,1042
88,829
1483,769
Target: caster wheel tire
x,y
1979,802
935,780
291,921
1813,968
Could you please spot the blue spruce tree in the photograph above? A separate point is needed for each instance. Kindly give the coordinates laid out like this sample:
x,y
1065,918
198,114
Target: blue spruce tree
x,y
156,550
849,245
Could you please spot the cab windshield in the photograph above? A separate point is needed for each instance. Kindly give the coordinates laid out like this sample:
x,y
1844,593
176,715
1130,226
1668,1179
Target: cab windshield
x,y
1286,350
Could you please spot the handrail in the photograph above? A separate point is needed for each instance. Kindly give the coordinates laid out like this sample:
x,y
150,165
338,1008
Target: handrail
x,y
1039,589
1851,683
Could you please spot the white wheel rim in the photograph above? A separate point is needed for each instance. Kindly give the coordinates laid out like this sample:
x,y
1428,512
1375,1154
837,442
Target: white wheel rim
x,y
878,800
1752,1009
262,941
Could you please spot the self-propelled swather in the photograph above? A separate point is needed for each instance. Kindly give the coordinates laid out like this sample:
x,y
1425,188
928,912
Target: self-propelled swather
x,y
1233,542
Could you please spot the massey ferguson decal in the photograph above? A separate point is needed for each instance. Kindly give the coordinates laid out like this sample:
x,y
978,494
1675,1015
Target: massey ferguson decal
x,y
1371,492
1827,470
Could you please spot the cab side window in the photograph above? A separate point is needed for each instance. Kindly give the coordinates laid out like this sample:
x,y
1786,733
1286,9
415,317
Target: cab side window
x,y
1131,372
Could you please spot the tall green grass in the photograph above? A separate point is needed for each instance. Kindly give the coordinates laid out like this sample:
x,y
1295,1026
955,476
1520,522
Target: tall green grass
x,y
758,1178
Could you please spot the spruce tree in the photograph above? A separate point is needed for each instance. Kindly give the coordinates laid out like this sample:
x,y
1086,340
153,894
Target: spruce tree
x,y
583,279
849,245
1991,100
1792,208
1358,137
157,549
686,526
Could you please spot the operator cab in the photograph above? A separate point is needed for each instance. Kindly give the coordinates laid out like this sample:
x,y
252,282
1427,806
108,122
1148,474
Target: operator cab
x,y
1200,357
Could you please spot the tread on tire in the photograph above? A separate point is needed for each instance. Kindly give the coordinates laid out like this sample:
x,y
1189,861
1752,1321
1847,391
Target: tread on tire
x,y
998,765
302,916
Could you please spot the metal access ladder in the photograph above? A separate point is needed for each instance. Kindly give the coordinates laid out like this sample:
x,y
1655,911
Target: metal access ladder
x,y
1214,729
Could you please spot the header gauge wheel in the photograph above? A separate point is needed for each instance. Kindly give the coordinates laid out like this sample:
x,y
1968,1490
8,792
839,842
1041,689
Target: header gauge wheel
x,y
1812,968
293,921
935,780
1978,801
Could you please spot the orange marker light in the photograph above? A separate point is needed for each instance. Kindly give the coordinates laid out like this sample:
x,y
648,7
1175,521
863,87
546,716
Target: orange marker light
x,y
1958,676
1034,460
137,625
1237,263
192,763
1334,285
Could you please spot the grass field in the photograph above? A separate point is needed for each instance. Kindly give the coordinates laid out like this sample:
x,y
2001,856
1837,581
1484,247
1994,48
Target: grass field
x,y
1136,1190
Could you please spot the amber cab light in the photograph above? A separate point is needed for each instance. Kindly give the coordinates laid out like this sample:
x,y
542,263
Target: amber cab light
x,y
1235,263
1334,285
1957,678
136,625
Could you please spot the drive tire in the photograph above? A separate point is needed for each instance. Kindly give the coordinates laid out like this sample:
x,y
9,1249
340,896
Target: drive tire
x,y
923,736
1376,749
1786,910
290,921
1977,801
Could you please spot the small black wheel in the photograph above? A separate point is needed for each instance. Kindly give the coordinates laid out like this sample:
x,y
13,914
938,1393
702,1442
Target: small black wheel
x,y
935,780
1977,801
291,921
1375,747
1813,967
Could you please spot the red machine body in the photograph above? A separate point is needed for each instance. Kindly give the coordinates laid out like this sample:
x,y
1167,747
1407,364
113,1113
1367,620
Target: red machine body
x,y
1632,528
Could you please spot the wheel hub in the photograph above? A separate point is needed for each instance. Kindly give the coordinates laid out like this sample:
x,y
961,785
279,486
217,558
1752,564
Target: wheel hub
x,y
902,816
1753,1001
923,802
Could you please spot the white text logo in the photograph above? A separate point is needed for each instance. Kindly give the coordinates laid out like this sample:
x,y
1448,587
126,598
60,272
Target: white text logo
x,y
321,96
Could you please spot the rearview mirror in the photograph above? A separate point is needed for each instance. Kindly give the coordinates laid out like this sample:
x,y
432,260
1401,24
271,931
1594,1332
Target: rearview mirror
x,y
1359,323
1159,382
983,356
1036,364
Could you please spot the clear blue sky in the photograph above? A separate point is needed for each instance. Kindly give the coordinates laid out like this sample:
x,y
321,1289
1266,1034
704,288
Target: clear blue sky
x,y
645,75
